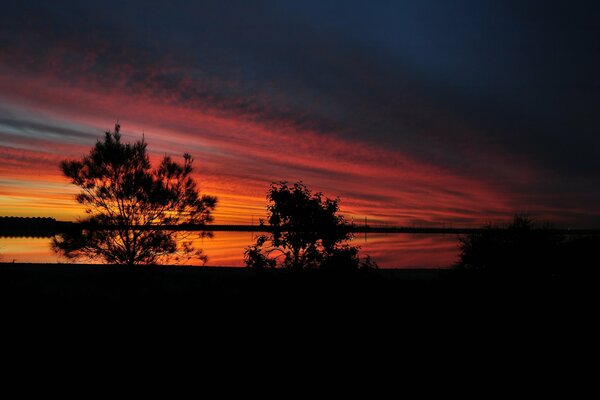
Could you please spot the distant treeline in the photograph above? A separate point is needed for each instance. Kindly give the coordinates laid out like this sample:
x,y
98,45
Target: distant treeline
x,y
46,226
30,226
26,220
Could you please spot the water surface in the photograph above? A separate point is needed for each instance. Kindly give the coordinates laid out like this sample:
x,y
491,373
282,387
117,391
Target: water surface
x,y
396,250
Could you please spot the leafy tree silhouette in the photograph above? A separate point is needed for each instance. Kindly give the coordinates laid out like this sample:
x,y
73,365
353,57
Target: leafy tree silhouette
x,y
127,202
306,232
523,247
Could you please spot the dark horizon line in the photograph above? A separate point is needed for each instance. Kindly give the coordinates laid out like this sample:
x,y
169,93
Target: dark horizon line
x,y
49,224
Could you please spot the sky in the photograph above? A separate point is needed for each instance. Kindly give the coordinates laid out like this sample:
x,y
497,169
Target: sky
x,y
424,113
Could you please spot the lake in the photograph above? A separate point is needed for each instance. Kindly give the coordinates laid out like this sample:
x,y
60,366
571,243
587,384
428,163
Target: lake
x,y
392,250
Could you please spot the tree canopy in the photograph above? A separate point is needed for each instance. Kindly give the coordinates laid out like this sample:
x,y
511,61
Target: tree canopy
x,y
306,231
526,247
129,204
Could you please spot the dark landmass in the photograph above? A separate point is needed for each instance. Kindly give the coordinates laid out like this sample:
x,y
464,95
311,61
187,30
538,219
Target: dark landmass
x,y
48,227
118,282
30,227
396,290
226,313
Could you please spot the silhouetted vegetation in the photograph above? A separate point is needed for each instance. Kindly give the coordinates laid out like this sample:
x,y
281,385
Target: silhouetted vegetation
x,y
28,226
125,199
525,247
306,233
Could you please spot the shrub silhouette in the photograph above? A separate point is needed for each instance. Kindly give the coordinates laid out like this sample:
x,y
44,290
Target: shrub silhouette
x,y
525,247
128,202
306,233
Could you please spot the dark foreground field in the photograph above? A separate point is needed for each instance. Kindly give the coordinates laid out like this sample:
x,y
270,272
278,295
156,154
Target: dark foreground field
x,y
112,283
207,288
236,317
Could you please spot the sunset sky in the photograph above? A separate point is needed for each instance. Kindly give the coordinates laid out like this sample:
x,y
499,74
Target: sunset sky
x,y
428,112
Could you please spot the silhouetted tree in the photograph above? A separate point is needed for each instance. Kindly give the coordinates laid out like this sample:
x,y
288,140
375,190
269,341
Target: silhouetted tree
x,y
127,200
307,232
521,247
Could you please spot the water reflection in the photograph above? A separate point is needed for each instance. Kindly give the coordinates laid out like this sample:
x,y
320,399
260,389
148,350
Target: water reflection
x,y
27,249
404,250
226,249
